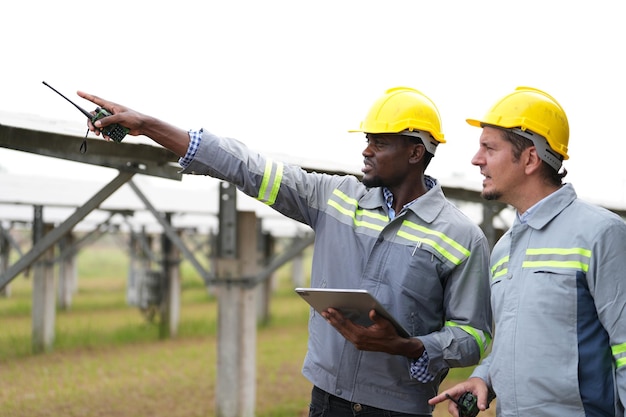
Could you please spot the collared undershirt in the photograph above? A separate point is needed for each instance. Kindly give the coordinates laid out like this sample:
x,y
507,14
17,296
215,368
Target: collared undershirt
x,y
194,143
430,183
523,218
419,366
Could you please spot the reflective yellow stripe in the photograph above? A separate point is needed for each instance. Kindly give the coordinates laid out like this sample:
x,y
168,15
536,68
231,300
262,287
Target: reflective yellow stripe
x,y
432,244
500,268
556,264
354,203
619,350
436,240
361,218
559,251
447,247
354,215
571,258
277,181
267,174
482,339
345,197
498,274
272,176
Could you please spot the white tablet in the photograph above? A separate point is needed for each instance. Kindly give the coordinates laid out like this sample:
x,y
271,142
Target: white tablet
x,y
354,304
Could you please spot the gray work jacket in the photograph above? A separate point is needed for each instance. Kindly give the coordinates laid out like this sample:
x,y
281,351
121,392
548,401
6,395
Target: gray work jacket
x,y
428,267
559,299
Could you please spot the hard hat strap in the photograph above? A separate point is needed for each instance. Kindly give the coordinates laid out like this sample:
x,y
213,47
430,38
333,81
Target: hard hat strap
x,y
544,150
427,139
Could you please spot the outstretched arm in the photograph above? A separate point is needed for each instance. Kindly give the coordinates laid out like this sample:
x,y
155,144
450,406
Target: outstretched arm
x,y
166,135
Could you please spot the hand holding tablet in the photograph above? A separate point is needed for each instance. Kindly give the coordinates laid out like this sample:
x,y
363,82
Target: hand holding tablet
x,y
354,304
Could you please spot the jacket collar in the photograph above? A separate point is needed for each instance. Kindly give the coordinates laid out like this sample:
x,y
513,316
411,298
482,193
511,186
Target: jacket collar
x,y
427,207
552,205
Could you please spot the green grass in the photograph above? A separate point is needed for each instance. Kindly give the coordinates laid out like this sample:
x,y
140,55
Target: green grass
x,y
108,358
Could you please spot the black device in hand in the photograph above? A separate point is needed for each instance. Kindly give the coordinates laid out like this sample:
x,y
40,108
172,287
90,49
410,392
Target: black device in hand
x,y
467,404
115,131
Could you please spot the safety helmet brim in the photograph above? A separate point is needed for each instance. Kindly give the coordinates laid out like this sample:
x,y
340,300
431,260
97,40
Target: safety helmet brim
x,y
403,109
474,122
530,109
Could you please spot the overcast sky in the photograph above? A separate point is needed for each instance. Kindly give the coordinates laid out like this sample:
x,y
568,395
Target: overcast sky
x,y
293,76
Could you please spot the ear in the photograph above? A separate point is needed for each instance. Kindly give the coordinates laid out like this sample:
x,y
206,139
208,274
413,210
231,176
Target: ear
x,y
532,162
417,153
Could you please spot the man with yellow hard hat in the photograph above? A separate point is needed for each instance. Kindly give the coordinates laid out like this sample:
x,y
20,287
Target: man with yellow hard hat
x,y
393,233
558,275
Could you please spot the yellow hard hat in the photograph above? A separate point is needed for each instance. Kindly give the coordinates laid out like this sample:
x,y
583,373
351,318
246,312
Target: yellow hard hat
x,y
531,109
407,111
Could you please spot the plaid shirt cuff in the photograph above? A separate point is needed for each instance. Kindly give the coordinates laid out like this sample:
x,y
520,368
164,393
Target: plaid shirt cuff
x,y
419,369
195,136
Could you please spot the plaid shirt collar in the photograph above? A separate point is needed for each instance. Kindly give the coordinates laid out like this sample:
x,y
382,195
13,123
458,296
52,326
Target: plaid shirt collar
x,y
430,183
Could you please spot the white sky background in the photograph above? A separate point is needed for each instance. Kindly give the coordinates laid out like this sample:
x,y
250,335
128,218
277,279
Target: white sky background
x,y
293,76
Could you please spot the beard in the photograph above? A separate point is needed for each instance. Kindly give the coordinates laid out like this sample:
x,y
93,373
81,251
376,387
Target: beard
x,y
491,195
371,182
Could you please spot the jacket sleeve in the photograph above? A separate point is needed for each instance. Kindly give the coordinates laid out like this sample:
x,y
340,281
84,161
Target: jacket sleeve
x,y
607,282
288,189
466,333
482,371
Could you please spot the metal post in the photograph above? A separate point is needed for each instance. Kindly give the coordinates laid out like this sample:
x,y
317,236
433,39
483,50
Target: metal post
x,y
170,302
236,362
43,312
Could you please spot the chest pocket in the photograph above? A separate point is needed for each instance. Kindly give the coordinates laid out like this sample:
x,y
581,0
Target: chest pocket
x,y
548,277
553,272
424,261
425,242
414,269
430,256
418,285
553,291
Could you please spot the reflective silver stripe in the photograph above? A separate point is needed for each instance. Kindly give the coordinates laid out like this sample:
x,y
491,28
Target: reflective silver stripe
x,y
482,339
447,247
348,207
500,268
270,185
410,231
570,258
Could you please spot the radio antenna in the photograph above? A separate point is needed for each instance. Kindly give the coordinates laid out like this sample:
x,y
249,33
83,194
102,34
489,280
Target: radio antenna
x,y
85,112
114,131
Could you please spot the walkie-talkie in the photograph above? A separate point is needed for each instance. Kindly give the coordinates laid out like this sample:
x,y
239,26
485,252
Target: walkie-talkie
x,y
467,404
114,131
